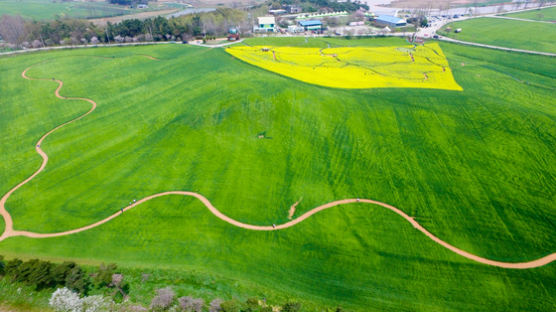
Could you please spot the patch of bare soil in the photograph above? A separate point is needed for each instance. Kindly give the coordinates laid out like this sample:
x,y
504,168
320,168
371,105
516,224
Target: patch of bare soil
x,y
292,208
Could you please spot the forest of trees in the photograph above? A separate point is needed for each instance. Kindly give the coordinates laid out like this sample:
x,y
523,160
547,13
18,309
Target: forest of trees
x,y
21,33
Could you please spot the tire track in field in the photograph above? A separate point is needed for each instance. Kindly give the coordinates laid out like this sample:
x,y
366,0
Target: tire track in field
x,y
9,231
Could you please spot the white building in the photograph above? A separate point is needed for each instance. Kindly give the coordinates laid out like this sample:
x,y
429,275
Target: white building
x,y
265,24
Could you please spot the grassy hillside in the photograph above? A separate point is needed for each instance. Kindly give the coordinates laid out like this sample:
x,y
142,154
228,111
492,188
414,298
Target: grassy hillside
x,y
48,9
506,33
547,15
473,167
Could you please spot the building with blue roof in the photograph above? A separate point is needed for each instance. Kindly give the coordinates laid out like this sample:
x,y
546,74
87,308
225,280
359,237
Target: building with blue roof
x,y
311,25
391,21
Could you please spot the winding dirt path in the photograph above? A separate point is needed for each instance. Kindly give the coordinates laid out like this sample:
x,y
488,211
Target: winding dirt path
x,y
9,231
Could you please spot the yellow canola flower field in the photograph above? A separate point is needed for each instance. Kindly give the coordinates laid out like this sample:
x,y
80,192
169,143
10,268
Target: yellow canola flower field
x,y
356,67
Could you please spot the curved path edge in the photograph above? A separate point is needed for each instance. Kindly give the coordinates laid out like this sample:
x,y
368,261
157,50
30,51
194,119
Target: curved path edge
x,y
9,231
489,46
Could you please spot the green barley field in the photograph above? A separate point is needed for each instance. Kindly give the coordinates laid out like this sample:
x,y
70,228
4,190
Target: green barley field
x,y
476,168
505,33
547,14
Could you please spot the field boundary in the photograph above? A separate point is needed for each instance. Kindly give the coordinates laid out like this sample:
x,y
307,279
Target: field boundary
x,y
9,230
488,46
519,19
82,46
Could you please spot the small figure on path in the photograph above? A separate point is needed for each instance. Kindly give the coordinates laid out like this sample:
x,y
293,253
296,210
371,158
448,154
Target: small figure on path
x,y
122,210
358,200
273,225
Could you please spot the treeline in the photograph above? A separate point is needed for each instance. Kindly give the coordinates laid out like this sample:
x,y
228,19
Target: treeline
x,y
44,274
20,33
322,5
72,284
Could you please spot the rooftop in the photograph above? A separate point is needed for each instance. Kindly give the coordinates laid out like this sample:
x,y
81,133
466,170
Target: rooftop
x,y
390,19
266,20
310,23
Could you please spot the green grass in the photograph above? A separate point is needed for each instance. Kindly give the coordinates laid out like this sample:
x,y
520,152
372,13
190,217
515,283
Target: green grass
x,y
506,33
21,297
473,167
547,14
48,9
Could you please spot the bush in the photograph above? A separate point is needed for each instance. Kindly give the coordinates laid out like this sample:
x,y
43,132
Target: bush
x,y
230,306
2,266
252,304
163,299
61,271
190,304
121,287
103,277
78,281
40,275
96,304
12,268
215,305
33,272
291,307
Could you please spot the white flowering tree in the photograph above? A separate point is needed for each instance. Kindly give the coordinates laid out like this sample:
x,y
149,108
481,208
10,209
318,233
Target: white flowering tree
x,y
96,304
65,300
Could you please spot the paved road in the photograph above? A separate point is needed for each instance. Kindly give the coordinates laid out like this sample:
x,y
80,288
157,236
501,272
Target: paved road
x,y
519,19
225,44
435,26
430,32
495,47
